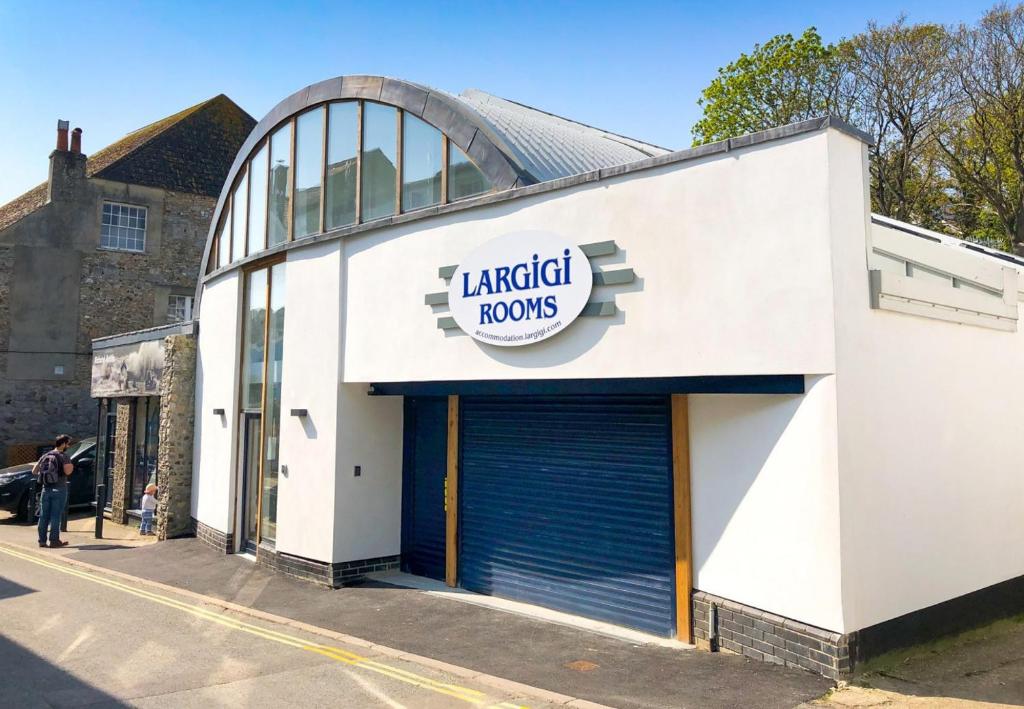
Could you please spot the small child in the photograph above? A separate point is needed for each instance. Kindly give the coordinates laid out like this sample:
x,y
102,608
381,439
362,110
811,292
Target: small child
x,y
148,506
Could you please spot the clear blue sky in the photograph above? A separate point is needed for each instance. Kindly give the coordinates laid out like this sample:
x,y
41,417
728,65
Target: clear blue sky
x,y
631,67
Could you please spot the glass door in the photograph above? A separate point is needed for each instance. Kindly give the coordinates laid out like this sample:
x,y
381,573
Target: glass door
x,y
262,359
250,481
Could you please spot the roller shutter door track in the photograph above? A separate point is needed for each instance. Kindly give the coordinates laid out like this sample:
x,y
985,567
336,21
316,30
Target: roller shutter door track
x,y
566,502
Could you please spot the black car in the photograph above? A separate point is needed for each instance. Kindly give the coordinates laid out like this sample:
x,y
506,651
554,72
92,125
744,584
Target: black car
x,y
18,492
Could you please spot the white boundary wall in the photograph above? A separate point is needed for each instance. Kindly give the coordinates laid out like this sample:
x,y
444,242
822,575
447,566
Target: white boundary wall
x,y
931,479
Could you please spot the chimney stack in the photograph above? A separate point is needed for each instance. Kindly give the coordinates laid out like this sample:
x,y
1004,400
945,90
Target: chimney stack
x,y
67,167
62,135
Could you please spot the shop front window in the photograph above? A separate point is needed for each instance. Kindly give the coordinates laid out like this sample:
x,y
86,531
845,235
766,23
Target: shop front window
x,y
105,445
146,446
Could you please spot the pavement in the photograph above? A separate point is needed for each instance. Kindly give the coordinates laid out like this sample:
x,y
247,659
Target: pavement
x,y
74,637
568,662
525,657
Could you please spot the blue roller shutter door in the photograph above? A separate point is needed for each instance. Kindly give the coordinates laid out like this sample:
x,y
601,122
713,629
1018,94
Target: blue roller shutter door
x,y
566,502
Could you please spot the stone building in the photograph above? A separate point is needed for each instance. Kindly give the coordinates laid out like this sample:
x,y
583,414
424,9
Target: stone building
x,y
110,243
145,383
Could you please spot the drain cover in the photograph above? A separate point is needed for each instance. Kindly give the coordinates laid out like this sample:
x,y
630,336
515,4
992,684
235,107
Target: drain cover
x,y
582,665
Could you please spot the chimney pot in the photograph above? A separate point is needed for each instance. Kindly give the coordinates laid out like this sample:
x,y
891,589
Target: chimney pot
x,y
76,141
62,135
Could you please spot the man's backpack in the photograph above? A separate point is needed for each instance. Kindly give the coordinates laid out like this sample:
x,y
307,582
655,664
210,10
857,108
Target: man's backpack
x,y
50,469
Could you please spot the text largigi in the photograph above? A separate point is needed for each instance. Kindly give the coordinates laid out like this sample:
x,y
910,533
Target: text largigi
x,y
526,276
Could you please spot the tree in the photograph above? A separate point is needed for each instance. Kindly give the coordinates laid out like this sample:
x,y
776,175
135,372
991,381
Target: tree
x,y
785,80
901,100
983,140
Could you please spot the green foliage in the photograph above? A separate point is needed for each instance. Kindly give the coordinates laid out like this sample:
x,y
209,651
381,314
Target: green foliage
x,y
785,80
944,106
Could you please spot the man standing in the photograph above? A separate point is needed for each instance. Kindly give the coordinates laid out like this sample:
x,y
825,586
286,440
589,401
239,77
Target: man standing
x,y
52,473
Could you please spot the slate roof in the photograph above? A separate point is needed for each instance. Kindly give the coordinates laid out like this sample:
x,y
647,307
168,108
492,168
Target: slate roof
x,y
548,146
190,151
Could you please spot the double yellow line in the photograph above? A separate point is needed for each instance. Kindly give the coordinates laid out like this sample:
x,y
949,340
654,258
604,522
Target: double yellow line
x,y
465,694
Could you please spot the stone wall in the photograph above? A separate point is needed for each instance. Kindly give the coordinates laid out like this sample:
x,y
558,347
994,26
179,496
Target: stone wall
x,y
118,494
177,420
115,292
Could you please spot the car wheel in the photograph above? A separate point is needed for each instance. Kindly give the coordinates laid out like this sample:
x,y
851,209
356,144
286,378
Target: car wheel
x,y
23,506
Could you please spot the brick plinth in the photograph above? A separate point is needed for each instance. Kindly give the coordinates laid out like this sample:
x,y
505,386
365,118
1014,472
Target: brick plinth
x,y
214,538
763,636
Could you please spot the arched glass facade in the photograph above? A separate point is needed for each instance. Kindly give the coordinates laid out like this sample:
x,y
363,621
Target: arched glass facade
x,y
337,164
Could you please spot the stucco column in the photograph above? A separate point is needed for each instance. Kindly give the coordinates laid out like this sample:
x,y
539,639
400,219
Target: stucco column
x,y
177,419
122,460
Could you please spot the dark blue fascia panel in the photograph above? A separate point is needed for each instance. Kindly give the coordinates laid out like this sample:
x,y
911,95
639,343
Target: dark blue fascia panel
x,y
744,384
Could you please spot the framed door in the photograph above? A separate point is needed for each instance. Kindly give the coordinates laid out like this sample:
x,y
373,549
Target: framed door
x,y
250,482
262,359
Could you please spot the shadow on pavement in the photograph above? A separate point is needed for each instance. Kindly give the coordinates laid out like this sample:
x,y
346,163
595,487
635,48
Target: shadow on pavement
x,y
10,589
33,681
983,665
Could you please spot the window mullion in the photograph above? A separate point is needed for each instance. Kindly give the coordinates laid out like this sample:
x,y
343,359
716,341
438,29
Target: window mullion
x,y
359,163
444,169
291,183
323,168
399,134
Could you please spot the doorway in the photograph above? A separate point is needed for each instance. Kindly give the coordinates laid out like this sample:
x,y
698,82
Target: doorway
x,y
423,497
250,482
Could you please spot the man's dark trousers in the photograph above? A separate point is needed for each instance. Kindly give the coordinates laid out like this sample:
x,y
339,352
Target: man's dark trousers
x,y
51,507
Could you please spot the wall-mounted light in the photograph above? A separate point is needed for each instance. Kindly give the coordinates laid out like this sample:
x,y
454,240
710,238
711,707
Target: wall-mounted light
x,y
301,413
218,412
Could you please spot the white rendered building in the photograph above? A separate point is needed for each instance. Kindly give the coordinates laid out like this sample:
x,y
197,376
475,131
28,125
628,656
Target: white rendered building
x,y
674,391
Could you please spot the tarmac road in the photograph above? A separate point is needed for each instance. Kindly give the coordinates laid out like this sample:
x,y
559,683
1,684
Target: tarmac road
x,y
72,637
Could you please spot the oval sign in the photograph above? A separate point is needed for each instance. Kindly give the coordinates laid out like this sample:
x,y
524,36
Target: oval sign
x,y
520,288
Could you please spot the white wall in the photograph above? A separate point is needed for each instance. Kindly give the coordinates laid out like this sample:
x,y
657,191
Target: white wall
x,y
368,508
214,454
731,253
765,501
312,362
930,431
